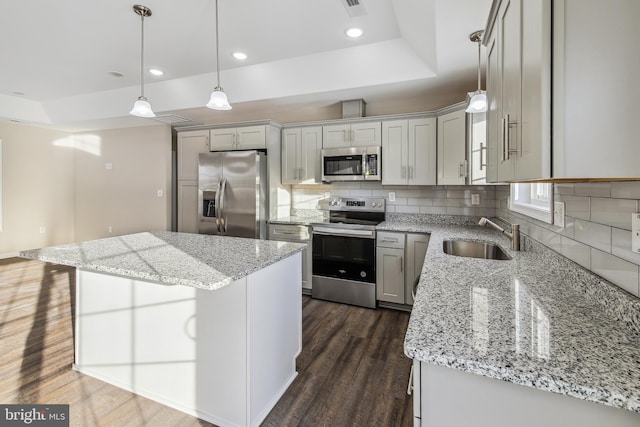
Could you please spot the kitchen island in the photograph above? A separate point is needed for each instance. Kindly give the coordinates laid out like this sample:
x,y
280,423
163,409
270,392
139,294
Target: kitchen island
x,y
534,340
209,325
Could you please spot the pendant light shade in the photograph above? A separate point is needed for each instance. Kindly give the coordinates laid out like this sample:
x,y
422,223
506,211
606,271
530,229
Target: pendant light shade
x,y
218,100
141,107
477,101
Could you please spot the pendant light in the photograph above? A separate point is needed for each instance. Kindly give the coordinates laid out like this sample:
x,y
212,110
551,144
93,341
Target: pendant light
x,y
218,99
477,101
142,108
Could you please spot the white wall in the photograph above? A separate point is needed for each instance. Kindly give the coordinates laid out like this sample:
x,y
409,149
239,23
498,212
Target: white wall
x,y
57,180
37,184
125,196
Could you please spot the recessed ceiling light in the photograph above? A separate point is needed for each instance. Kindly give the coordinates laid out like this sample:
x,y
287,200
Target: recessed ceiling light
x,y
240,55
18,93
116,73
156,72
354,32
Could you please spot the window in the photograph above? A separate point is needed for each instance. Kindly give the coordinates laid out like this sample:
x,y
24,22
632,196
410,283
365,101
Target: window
x,y
533,199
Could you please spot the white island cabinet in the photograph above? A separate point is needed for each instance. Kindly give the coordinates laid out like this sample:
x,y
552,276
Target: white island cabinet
x,y
209,325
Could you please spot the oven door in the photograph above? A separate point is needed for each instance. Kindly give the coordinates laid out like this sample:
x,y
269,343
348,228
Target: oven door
x,y
344,254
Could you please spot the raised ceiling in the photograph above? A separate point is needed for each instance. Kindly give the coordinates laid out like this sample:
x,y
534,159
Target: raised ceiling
x,y
57,57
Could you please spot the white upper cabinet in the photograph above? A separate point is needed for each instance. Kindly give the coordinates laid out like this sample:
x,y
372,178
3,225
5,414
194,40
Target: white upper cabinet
x,y
452,157
240,138
351,135
595,89
190,145
587,95
517,88
409,152
301,155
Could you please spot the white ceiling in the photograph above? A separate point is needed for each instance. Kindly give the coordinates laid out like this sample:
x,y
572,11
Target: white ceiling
x,y
57,57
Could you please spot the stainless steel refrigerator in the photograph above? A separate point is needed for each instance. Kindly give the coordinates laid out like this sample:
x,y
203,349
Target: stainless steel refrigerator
x,y
232,193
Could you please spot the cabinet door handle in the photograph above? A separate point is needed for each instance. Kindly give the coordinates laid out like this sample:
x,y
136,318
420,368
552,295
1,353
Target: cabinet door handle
x,y
507,151
482,163
504,137
403,172
410,385
401,264
410,172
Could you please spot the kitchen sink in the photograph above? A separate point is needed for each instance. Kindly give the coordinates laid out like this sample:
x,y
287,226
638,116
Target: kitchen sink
x,y
474,249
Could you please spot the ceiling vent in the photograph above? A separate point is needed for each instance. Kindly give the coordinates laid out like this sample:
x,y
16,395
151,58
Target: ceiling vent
x,y
354,8
174,119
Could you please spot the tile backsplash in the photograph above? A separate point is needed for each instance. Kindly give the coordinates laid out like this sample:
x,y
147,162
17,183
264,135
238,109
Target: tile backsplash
x,y
441,200
597,232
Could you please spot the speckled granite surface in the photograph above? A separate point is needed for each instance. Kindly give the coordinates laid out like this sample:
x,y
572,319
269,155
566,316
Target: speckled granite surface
x,y
202,261
537,320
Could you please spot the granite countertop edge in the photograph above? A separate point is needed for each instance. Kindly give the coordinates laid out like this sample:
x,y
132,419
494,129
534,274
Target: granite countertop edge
x,y
166,279
432,348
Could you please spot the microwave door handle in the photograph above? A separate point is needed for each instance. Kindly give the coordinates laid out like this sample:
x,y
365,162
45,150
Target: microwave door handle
x,y
364,164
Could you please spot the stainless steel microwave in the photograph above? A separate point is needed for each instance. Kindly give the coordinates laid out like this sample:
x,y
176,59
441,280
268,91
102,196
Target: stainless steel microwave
x,y
351,164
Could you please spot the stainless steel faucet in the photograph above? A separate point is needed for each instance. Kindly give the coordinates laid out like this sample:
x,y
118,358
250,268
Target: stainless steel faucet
x,y
514,235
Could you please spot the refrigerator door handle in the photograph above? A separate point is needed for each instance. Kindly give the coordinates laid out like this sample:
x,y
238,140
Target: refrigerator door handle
x,y
217,207
223,223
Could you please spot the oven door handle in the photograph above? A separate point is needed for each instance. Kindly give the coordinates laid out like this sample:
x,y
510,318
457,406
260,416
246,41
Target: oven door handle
x,y
326,231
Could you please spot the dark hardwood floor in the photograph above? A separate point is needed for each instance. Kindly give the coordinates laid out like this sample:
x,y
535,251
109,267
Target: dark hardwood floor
x,y
352,370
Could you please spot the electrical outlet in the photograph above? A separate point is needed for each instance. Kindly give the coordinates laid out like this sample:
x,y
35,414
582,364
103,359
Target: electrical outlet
x,y
43,230
110,229
392,196
108,166
160,193
558,214
475,199
635,232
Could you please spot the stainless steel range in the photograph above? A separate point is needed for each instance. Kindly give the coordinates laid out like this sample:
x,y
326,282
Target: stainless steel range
x,y
344,251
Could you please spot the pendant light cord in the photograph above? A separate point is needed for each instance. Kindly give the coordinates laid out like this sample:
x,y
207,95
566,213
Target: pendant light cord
x,y
217,48
142,58
479,63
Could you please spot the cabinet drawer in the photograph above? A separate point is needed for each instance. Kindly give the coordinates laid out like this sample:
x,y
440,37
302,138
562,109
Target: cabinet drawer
x,y
388,239
288,232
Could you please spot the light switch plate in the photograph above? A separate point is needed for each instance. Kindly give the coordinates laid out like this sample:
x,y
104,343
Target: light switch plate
x,y
475,199
558,214
635,232
392,196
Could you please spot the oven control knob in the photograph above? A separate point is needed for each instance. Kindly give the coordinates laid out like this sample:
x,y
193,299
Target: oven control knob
x,y
373,204
363,274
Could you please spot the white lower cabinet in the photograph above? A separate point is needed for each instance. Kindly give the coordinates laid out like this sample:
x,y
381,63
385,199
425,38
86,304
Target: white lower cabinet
x,y
298,234
399,259
188,206
445,396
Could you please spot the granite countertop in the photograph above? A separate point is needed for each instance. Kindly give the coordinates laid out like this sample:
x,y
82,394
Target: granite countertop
x,y
537,320
198,260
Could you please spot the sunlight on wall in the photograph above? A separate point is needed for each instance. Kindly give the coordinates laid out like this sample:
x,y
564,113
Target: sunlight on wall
x,y
1,183
88,143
